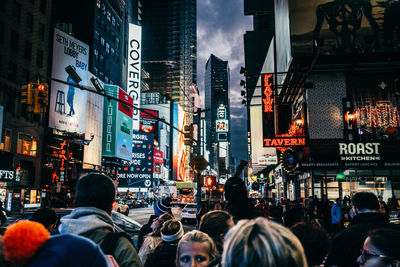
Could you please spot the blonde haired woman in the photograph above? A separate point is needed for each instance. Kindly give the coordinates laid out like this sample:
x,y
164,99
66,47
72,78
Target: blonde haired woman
x,y
261,242
196,249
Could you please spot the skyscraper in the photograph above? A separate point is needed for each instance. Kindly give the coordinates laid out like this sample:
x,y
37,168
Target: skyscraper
x,y
216,85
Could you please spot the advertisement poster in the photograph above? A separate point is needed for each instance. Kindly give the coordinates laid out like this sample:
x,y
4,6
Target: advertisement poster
x,y
67,108
117,125
179,158
158,161
222,125
340,27
148,123
134,70
140,171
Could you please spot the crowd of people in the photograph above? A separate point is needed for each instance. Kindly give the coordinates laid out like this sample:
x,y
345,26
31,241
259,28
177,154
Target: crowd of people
x,y
240,232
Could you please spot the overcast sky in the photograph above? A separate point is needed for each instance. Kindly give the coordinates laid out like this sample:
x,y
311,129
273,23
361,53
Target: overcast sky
x,y
220,28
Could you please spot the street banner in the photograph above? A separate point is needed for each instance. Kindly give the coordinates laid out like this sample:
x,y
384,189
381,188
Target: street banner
x,y
67,108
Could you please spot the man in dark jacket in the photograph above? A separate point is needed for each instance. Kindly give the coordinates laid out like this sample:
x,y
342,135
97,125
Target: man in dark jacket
x,y
95,195
346,245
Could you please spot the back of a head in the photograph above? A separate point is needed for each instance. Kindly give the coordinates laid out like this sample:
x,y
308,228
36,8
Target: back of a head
x,y
172,231
44,216
387,241
95,190
214,223
315,241
365,201
200,237
235,189
261,242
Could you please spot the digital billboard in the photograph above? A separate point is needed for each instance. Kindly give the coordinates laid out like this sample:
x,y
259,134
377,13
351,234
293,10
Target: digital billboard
x,y
179,157
148,123
140,170
67,108
343,27
117,125
134,70
221,126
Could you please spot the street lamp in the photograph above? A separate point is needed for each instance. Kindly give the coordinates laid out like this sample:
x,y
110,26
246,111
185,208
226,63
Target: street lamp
x,y
72,73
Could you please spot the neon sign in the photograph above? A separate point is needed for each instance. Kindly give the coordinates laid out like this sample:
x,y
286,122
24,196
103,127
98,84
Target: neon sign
x,y
284,142
267,93
63,158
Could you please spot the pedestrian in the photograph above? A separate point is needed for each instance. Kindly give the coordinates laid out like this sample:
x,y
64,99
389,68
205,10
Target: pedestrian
x,y
216,224
381,248
165,253
154,238
28,243
162,206
196,249
261,242
315,241
324,212
346,245
47,217
145,230
336,214
3,214
94,198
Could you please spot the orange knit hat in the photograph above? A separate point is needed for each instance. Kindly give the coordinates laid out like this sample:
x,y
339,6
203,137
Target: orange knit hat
x,y
22,240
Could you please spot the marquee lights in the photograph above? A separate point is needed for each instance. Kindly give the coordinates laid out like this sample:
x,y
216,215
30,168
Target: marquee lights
x,y
267,93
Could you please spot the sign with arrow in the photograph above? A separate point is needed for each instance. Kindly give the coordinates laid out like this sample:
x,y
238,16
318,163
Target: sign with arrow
x,y
198,163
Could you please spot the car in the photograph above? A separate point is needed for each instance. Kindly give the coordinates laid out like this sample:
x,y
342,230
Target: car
x,y
122,223
121,207
189,212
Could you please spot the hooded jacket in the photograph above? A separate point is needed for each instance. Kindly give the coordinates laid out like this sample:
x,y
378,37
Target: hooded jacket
x,y
95,224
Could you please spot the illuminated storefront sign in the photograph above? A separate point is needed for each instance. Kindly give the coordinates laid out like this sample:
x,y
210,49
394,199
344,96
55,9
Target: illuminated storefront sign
x,y
63,160
267,93
284,142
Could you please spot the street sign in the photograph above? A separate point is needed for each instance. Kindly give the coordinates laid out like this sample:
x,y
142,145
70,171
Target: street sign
x,y
198,163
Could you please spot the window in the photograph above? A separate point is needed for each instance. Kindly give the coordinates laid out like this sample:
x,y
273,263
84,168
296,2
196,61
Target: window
x,y
112,52
111,82
96,54
27,145
101,76
103,8
39,58
103,25
101,60
117,42
118,26
113,21
108,15
95,70
98,3
97,19
102,41
28,50
106,80
108,29
108,48
41,31
14,41
116,55
5,140
29,21
97,36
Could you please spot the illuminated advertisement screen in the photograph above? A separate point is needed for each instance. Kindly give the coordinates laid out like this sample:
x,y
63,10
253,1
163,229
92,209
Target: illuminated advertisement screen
x,y
148,123
179,157
67,106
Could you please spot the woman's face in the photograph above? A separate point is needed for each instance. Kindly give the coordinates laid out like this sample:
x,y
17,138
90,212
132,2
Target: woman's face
x,y
193,254
370,256
156,223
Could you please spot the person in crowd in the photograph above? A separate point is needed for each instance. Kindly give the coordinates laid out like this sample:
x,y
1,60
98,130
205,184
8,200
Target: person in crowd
x,y
345,246
145,230
196,249
276,211
238,203
261,242
154,238
336,214
383,208
28,243
165,253
381,249
293,214
204,208
162,206
216,224
47,217
324,212
94,198
345,221
315,241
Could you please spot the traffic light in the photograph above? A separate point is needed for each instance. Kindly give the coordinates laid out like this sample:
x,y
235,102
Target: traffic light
x,y
27,94
210,181
36,104
40,97
188,134
43,94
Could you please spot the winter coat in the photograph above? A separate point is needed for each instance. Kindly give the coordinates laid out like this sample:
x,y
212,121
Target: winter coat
x,y
95,224
336,213
57,251
144,231
346,245
164,255
149,245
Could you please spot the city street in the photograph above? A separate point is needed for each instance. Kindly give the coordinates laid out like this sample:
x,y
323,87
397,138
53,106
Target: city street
x,y
142,215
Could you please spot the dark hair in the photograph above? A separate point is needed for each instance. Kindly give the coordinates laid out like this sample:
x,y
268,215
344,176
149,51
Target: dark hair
x,y
214,223
171,227
387,241
315,241
44,216
365,200
162,219
95,190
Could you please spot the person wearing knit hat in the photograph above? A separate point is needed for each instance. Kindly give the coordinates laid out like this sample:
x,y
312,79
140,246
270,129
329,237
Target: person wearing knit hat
x,y
28,243
162,206
165,253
